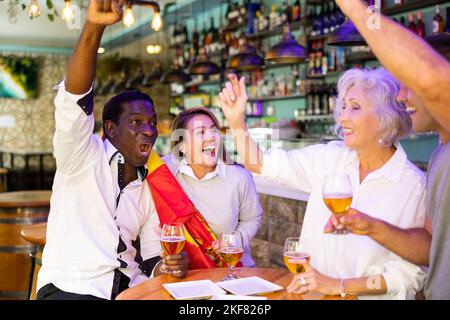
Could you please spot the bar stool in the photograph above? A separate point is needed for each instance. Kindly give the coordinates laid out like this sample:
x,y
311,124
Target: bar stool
x,y
36,235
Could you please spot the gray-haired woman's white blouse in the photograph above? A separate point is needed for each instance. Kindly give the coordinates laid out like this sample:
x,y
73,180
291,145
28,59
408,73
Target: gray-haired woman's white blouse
x,y
394,193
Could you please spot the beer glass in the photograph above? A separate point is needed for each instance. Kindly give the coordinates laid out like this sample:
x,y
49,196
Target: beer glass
x,y
292,250
337,194
231,249
172,240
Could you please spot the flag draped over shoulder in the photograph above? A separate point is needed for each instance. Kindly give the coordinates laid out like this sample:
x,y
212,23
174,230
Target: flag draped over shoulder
x,y
173,205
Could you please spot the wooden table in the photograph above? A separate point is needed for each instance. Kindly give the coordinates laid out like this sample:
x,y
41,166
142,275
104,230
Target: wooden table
x,y
19,201
152,289
35,234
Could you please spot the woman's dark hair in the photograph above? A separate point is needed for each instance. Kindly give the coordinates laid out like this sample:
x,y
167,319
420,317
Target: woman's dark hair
x,y
113,108
181,121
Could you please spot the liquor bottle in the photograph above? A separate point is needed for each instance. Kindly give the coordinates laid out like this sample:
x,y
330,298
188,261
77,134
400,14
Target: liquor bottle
x,y
256,20
195,39
438,21
324,100
331,59
321,20
332,92
185,35
326,19
412,25
315,28
312,55
420,28
447,28
310,100
318,59
325,63
242,12
273,17
288,12
296,11
332,16
317,101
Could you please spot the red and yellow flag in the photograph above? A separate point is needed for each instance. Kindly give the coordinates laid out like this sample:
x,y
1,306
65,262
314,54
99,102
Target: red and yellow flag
x,y
173,205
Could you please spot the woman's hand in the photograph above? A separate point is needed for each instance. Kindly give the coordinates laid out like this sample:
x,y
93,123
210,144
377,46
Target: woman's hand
x,y
233,100
312,280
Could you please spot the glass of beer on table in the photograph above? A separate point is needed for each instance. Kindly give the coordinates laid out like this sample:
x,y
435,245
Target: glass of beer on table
x,y
293,251
172,240
231,249
337,194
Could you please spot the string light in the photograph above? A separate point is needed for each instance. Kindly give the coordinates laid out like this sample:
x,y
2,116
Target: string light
x,y
157,22
35,10
128,17
68,14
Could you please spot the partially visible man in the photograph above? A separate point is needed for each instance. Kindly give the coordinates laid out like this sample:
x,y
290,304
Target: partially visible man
x,y
407,57
417,245
103,229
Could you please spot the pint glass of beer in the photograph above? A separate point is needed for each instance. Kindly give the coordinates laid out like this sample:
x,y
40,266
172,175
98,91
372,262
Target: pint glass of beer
x,y
172,239
337,194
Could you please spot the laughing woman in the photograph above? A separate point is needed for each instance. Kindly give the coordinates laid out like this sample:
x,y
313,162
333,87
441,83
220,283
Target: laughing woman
x,y
224,193
385,185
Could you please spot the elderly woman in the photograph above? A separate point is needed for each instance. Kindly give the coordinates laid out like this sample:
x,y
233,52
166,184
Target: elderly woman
x,y
385,185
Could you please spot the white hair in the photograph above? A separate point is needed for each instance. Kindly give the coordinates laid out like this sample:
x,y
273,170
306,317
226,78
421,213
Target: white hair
x,y
380,91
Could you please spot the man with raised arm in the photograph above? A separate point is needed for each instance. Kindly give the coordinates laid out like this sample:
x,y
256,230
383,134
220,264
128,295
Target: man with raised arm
x,y
103,229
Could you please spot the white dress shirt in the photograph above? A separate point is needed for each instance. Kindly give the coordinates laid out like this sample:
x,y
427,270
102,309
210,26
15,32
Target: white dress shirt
x,y
226,197
94,229
394,193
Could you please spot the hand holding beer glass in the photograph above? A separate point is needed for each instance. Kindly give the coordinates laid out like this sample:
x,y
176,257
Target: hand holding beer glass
x,y
295,260
231,249
337,194
172,241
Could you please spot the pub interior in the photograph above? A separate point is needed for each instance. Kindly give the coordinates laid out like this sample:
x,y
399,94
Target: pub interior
x,y
182,53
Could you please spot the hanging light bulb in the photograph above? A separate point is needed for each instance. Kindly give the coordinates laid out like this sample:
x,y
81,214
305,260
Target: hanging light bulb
x,y
68,14
35,10
128,17
157,22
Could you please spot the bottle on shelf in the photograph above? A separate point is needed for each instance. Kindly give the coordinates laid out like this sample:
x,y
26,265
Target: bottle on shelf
x,y
332,16
310,99
331,59
438,21
326,19
447,27
420,28
296,11
411,25
317,100
318,59
324,100
273,17
312,59
332,92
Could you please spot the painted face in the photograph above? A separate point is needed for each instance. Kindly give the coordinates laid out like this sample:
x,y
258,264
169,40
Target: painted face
x,y
203,140
360,125
135,134
422,121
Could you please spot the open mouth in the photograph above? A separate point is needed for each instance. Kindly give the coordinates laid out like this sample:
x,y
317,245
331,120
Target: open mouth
x,y
411,110
210,151
347,131
145,147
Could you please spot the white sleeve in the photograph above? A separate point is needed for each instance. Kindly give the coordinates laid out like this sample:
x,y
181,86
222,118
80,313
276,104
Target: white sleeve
x,y
75,146
250,210
150,235
403,279
295,168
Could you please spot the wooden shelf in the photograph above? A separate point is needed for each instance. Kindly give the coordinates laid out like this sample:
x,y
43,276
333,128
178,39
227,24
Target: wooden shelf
x,y
275,98
329,74
275,32
319,37
320,117
235,26
203,83
411,6
360,58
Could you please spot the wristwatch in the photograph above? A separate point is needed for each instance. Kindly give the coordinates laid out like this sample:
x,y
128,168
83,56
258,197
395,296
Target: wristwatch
x,y
342,289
